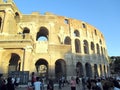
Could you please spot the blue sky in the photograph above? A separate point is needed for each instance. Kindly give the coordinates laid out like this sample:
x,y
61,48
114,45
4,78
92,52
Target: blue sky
x,y
103,14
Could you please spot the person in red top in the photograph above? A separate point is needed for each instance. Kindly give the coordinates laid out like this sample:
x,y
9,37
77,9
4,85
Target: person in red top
x,y
73,83
33,79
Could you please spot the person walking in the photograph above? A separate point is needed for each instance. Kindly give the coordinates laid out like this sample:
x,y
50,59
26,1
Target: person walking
x,y
37,84
73,83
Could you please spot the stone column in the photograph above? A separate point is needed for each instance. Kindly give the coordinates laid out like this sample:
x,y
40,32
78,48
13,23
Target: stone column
x,y
51,71
27,57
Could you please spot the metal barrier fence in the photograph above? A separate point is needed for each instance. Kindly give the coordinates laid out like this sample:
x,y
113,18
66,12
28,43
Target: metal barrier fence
x,y
23,75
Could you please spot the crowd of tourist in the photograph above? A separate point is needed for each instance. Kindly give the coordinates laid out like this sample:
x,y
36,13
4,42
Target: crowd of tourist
x,y
84,83
9,83
101,83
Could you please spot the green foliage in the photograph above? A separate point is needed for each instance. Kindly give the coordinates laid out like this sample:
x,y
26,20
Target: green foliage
x,y
117,65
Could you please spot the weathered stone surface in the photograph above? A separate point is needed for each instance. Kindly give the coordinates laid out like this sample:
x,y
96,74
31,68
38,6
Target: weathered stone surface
x,y
69,47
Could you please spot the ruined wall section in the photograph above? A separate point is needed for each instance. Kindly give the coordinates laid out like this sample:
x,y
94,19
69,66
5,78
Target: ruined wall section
x,y
60,27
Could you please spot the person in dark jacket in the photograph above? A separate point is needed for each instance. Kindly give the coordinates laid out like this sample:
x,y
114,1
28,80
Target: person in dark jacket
x,y
50,85
9,85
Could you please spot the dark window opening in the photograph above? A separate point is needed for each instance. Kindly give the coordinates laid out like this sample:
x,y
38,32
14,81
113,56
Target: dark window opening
x,y
86,48
95,32
83,25
92,47
98,49
17,17
66,21
76,33
77,46
67,41
26,30
100,41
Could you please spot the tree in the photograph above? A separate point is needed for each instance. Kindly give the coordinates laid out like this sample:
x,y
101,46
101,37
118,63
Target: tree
x,y
117,65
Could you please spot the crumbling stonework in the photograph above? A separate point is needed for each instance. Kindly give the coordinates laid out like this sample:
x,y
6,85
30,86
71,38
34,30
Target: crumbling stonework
x,y
50,45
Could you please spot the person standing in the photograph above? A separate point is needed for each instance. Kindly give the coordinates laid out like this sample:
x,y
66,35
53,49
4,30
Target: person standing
x,y
10,85
17,81
50,85
33,79
37,84
73,83
83,83
60,83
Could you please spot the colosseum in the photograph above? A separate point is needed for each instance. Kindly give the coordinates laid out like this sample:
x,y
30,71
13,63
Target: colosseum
x,y
50,45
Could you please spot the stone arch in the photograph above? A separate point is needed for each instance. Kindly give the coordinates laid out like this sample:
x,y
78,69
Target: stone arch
x,y
14,63
88,70
79,69
95,70
95,31
100,41
104,70
42,34
77,46
101,50
42,67
100,70
83,25
86,47
26,30
92,47
60,68
76,33
98,48
67,40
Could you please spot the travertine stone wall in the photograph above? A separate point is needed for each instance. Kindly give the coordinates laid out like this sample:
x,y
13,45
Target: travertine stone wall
x,y
68,44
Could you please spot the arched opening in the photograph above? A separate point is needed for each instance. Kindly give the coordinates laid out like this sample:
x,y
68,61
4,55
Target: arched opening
x,y
77,46
95,70
95,32
104,70
79,69
88,70
92,47
42,34
100,70
101,50
76,33
17,17
60,68
42,67
98,49
83,25
67,40
86,48
14,63
100,41
26,30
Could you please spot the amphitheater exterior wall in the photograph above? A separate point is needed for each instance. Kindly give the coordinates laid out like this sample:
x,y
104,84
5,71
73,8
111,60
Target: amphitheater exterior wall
x,y
50,45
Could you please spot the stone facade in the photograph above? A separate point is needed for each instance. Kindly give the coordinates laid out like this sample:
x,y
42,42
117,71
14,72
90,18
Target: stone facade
x,y
50,45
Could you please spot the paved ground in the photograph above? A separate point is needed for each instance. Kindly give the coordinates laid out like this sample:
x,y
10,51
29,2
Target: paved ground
x,y
66,87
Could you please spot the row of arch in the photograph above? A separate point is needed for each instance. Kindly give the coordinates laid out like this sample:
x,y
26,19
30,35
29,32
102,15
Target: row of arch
x,y
42,67
43,33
